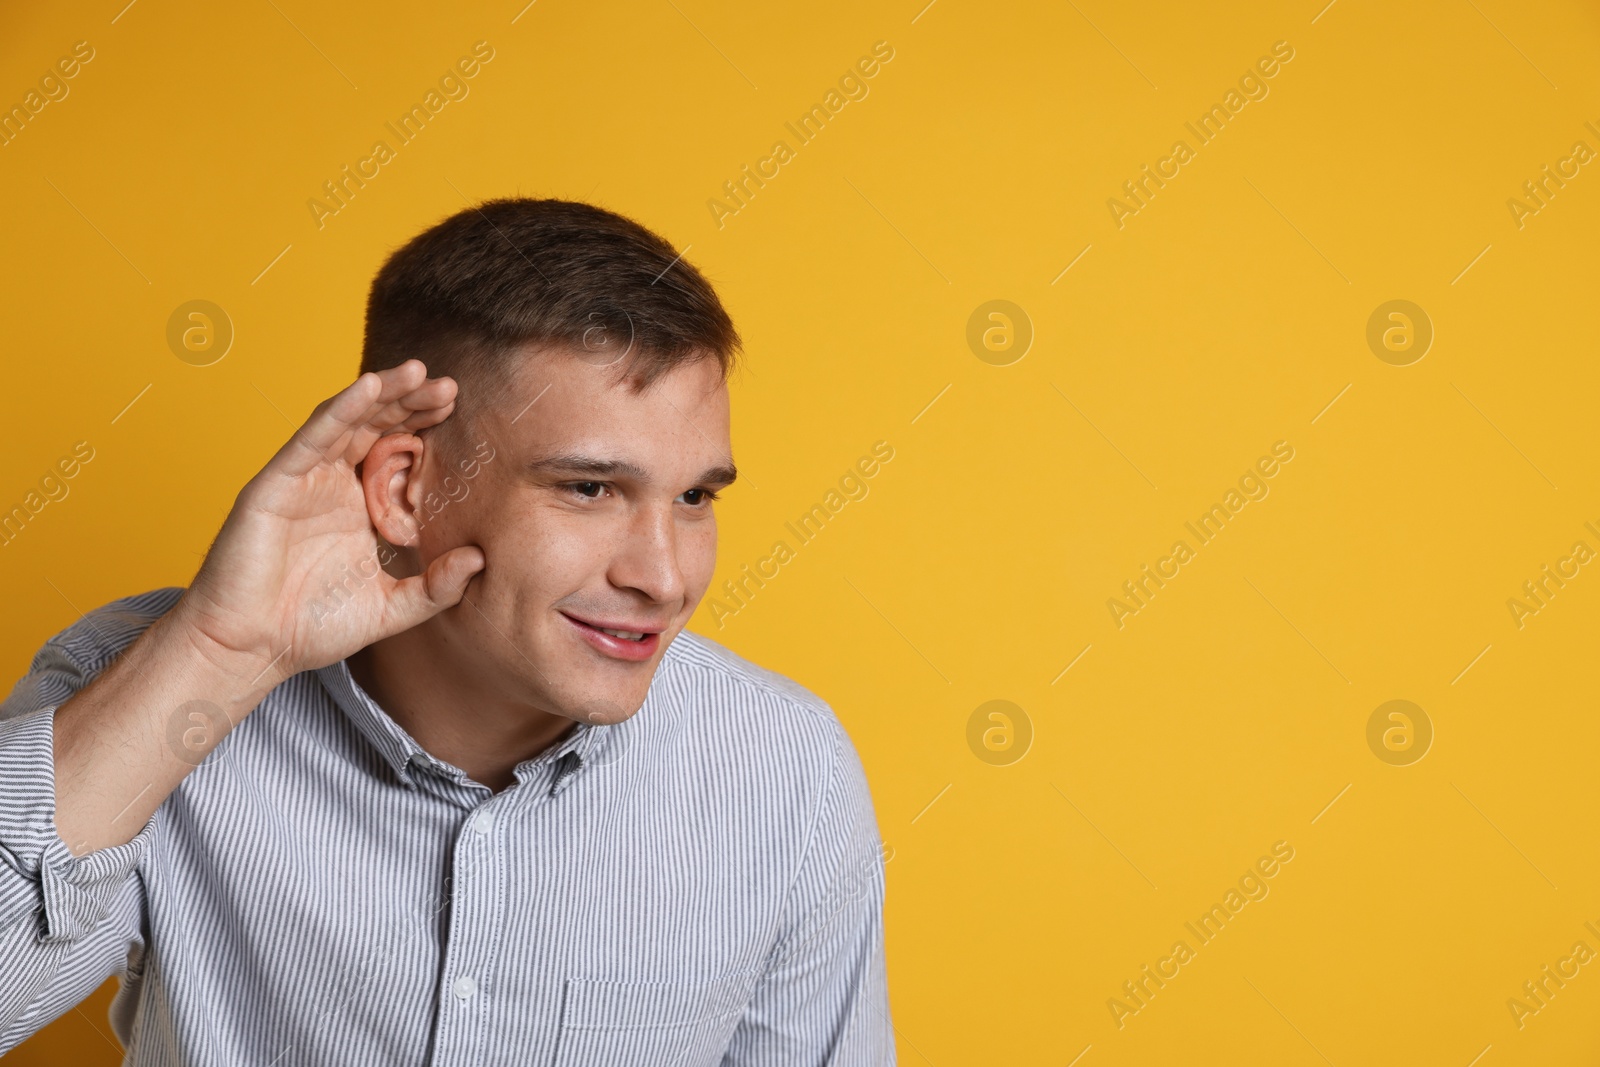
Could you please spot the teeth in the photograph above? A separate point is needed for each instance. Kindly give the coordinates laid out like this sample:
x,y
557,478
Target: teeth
x,y
624,634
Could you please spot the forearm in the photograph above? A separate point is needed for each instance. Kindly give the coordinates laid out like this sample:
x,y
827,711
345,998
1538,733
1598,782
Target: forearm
x,y
124,742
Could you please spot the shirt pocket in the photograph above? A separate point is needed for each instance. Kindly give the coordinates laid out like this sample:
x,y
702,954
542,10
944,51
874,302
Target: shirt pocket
x,y
606,1022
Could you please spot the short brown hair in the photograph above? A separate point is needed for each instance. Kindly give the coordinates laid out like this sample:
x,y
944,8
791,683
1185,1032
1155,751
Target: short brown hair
x,y
466,294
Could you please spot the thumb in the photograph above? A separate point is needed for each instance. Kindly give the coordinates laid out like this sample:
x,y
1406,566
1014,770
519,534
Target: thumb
x,y
441,586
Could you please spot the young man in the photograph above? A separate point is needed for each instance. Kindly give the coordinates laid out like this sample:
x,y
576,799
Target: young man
x,y
423,767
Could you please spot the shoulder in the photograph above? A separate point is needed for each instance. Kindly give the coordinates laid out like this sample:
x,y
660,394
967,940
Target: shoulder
x,y
748,705
783,734
69,660
102,634
791,753
710,663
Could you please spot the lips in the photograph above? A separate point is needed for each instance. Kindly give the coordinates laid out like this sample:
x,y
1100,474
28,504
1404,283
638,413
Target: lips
x,y
618,639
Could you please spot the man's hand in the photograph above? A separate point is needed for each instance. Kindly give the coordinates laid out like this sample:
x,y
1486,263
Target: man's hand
x,y
252,616
300,528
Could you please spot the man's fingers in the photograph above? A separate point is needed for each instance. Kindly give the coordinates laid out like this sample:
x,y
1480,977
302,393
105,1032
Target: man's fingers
x,y
420,420
360,442
376,402
420,597
431,395
332,421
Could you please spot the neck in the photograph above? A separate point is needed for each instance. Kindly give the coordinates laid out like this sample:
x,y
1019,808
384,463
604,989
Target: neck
x,y
449,709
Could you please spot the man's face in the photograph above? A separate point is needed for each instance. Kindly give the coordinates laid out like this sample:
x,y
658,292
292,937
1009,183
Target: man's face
x,y
593,512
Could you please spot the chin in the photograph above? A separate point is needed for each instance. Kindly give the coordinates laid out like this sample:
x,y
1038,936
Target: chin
x,y
605,711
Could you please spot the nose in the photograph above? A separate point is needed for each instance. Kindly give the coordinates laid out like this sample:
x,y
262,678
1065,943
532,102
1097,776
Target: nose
x,y
647,559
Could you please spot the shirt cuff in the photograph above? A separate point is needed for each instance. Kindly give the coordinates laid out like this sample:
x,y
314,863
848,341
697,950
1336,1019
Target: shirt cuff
x,y
38,872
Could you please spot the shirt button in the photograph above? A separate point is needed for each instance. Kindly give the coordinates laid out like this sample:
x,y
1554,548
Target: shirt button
x,y
464,987
483,823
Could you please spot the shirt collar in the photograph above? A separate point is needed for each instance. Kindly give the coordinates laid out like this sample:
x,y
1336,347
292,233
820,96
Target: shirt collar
x,y
400,750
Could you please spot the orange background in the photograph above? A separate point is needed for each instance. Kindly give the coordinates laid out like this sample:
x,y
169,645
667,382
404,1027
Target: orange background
x,y
1041,860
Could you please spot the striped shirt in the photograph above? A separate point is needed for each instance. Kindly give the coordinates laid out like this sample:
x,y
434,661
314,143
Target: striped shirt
x,y
699,884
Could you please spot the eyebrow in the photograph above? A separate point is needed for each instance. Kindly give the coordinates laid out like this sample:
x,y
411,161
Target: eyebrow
x,y
576,463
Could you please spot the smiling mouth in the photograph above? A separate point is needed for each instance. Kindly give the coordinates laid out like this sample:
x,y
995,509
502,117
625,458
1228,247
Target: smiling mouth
x,y
627,641
616,631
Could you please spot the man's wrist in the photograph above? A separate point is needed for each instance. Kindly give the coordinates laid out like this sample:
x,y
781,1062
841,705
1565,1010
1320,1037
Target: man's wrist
x,y
224,675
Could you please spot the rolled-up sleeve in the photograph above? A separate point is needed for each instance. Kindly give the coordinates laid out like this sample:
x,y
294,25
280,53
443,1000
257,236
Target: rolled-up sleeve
x,y
67,923
823,1000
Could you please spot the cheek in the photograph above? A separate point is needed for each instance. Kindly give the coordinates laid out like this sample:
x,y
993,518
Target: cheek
x,y
542,553
697,559
447,523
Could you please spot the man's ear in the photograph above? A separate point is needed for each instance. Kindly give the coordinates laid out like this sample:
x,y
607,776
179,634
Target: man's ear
x,y
391,483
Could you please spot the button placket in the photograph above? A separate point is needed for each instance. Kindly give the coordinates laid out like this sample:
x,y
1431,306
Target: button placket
x,y
471,954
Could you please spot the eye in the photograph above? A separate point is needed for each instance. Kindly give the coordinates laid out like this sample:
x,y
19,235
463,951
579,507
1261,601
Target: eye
x,y
700,497
587,490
